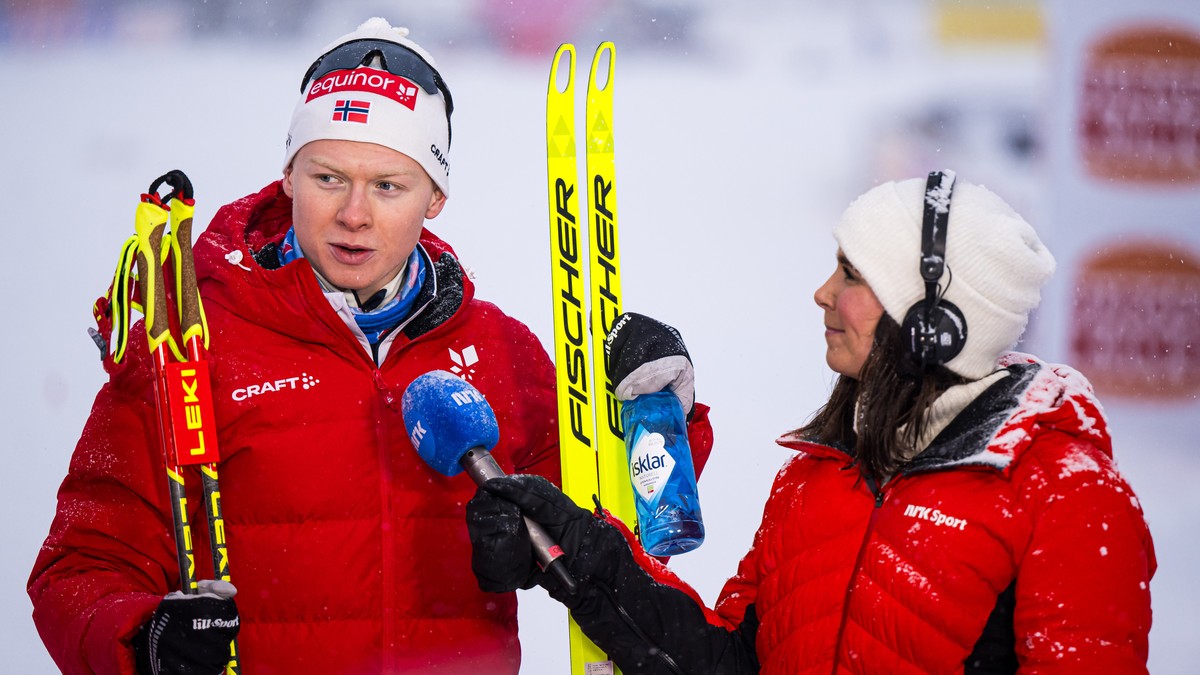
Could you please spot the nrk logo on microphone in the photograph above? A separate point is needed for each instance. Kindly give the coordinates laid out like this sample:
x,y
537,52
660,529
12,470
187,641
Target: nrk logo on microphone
x,y
467,397
417,433
445,417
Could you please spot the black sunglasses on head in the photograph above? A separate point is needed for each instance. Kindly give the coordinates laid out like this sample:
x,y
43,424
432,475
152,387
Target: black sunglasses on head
x,y
394,58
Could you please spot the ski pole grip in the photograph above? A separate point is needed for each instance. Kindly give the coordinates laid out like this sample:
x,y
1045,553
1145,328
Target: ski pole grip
x,y
191,322
150,221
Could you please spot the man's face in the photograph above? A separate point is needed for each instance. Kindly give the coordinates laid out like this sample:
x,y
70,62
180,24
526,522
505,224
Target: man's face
x,y
358,209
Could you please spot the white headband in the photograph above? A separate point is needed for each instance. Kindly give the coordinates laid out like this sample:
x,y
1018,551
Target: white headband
x,y
372,105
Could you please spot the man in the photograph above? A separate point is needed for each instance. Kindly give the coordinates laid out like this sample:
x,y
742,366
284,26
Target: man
x,y
325,297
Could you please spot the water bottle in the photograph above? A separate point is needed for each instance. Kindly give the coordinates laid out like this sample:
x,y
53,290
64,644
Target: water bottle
x,y
660,468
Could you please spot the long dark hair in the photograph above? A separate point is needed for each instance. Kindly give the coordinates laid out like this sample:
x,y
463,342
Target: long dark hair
x,y
890,398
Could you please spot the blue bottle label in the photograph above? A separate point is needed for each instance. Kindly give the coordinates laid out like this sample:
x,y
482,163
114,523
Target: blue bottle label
x,y
650,465
660,469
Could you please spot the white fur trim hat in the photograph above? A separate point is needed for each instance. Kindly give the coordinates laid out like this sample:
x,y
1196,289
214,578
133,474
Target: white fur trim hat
x,y
995,263
376,86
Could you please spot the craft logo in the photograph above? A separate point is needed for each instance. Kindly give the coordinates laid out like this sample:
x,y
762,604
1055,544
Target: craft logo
x,y
1139,106
303,381
440,157
351,111
366,81
1135,324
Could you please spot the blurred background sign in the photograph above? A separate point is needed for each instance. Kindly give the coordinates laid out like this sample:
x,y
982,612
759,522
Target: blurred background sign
x,y
1124,197
987,22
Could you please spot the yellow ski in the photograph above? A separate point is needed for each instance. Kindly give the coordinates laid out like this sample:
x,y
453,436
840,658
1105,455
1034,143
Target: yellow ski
x,y
616,492
576,421
591,440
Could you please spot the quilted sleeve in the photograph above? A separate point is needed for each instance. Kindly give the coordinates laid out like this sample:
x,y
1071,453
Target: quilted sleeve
x,y
1083,587
103,567
740,592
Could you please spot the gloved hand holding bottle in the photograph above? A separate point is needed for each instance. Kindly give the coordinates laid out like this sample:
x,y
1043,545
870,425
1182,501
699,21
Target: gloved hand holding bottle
x,y
652,374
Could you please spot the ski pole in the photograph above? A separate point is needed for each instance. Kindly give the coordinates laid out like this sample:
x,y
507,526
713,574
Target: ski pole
x,y
150,222
187,422
193,331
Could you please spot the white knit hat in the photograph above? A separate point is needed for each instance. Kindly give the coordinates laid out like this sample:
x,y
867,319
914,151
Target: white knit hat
x,y
371,105
995,263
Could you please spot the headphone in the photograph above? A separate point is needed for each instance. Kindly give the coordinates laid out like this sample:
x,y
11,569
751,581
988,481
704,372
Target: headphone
x,y
936,329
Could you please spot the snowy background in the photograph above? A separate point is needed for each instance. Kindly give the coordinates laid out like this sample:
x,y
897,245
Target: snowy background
x,y
743,129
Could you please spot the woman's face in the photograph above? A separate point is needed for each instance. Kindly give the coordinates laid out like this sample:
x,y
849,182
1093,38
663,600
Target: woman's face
x,y
851,313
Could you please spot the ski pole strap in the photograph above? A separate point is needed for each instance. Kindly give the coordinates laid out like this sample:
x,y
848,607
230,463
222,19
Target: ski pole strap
x,y
115,309
180,184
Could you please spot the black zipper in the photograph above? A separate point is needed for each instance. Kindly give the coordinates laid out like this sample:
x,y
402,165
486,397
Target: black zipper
x,y
880,495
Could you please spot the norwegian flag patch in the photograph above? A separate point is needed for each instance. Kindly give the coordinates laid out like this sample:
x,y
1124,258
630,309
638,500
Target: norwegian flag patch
x,y
347,110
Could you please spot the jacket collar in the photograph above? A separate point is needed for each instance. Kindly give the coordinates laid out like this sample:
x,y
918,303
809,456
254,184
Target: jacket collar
x,y
1003,420
966,440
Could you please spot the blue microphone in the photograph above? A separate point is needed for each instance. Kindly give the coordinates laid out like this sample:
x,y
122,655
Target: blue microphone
x,y
452,428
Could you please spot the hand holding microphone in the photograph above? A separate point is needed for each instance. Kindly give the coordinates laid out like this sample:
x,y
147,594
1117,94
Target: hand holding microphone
x,y
452,427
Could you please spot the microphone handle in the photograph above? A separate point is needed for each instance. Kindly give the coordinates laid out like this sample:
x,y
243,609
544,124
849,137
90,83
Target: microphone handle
x,y
481,466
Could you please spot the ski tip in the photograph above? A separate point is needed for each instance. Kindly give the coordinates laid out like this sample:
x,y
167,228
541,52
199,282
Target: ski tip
x,y
604,64
564,62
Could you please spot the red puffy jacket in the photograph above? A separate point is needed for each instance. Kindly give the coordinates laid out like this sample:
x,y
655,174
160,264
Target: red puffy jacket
x,y
350,554
1014,518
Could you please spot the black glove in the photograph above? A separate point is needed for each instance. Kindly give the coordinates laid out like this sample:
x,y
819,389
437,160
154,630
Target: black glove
x,y
646,356
501,553
189,634
644,626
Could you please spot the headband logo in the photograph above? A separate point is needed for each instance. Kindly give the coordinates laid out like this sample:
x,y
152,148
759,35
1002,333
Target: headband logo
x,y
351,111
366,81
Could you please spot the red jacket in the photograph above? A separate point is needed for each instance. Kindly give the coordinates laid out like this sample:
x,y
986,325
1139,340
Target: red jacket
x,y
1016,507
350,554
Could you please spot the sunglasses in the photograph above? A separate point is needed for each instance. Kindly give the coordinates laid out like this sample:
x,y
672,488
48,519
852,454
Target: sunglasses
x,y
394,58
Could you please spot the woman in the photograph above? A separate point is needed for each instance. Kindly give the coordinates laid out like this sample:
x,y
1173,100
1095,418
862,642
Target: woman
x,y
952,508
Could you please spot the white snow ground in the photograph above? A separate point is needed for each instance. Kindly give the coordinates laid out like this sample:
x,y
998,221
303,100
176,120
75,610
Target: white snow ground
x,y
733,163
